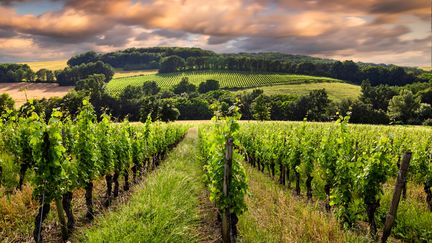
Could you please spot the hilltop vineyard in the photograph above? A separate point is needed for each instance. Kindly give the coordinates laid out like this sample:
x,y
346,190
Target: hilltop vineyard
x,y
230,80
63,155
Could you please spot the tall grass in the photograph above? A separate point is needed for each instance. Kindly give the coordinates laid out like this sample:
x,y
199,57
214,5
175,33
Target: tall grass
x,y
274,215
165,207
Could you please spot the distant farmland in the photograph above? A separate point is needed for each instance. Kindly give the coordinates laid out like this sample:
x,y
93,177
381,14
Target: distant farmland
x,y
335,91
20,92
50,65
230,80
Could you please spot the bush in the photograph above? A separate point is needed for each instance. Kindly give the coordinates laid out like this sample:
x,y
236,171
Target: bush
x,y
209,85
184,87
6,103
427,122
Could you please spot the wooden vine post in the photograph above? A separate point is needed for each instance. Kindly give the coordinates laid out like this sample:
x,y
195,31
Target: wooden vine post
x,y
228,228
400,182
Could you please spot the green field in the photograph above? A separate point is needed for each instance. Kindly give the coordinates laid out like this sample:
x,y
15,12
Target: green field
x,y
231,80
336,91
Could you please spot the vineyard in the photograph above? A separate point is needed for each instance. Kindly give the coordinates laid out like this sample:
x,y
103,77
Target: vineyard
x,y
226,79
350,172
347,167
62,155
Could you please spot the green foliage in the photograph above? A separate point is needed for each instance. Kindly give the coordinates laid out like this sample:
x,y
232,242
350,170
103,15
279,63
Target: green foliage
x,y
93,85
260,108
50,180
11,72
184,87
150,88
86,149
106,140
208,85
71,75
171,64
402,107
226,79
6,103
213,142
351,163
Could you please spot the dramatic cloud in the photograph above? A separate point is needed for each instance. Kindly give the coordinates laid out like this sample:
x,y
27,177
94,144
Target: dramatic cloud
x,y
363,30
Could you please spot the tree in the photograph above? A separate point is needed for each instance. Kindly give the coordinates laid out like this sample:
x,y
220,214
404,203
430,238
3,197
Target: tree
x,y
171,64
71,75
402,108
261,108
424,112
425,96
168,112
193,109
131,92
72,102
150,88
318,103
246,100
361,112
208,86
16,73
378,96
87,57
93,85
184,87
44,75
6,103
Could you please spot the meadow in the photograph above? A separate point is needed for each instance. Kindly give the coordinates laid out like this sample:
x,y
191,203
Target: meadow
x,y
336,91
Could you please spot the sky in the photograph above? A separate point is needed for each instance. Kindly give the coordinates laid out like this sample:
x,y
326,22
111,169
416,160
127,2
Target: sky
x,y
379,31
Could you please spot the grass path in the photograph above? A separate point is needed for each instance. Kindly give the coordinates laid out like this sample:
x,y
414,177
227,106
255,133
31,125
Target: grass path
x,y
274,215
170,205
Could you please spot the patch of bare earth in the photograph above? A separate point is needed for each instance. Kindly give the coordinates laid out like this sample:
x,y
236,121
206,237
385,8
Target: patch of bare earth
x,y
21,92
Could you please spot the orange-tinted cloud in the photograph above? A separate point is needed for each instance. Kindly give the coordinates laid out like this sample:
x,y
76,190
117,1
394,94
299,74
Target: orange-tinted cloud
x,y
316,27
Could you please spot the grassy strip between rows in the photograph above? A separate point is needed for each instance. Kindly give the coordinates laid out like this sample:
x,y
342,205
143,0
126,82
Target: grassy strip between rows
x,y
274,215
165,207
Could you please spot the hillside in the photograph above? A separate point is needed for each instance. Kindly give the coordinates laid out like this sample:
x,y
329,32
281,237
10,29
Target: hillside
x,y
227,80
336,91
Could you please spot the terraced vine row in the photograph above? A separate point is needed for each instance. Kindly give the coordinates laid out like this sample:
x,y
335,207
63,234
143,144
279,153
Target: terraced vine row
x,y
65,155
226,79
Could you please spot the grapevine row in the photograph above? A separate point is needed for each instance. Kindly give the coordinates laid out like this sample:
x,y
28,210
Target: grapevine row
x,y
226,79
66,155
225,175
347,165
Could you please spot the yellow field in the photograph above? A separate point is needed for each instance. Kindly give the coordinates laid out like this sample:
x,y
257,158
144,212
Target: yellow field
x,y
124,74
427,68
21,92
50,65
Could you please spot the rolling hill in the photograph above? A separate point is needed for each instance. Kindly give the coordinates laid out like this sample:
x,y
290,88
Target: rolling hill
x,y
227,80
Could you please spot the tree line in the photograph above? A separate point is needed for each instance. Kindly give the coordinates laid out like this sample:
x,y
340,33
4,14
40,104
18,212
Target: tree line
x,y
176,59
68,76
382,104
